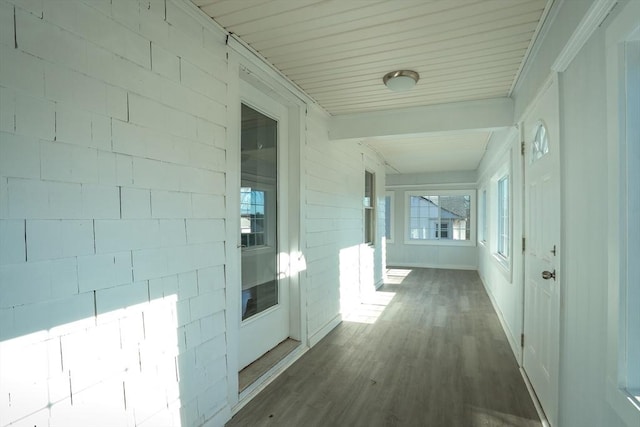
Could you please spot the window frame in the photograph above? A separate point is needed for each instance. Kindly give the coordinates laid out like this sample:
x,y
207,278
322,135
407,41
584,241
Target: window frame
x,y
389,199
482,216
440,242
503,218
622,397
369,209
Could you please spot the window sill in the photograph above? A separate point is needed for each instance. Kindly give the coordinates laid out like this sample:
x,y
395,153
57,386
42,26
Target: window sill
x,y
434,242
504,265
625,403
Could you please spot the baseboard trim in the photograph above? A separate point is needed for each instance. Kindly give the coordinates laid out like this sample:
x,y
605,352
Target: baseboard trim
x,y
513,341
427,265
318,335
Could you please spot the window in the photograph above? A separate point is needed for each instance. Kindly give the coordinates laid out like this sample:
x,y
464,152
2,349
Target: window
x,y
482,228
388,217
503,217
369,207
252,217
623,131
440,217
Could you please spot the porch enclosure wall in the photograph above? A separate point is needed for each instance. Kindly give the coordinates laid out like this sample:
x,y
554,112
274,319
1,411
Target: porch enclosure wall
x,y
113,231
584,176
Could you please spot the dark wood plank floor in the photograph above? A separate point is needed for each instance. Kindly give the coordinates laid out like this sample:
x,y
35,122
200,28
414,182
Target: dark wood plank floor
x,y
436,356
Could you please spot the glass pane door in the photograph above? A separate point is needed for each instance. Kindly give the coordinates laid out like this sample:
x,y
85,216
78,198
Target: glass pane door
x,y
258,212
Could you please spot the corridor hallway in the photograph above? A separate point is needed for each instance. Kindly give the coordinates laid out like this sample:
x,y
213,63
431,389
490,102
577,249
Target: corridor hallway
x,y
427,351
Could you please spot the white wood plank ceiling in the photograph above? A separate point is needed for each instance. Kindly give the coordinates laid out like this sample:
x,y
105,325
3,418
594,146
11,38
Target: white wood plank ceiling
x,y
338,50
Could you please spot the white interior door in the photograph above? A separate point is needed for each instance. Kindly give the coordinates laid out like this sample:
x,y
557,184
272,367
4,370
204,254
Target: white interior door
x,y
542,252
264,315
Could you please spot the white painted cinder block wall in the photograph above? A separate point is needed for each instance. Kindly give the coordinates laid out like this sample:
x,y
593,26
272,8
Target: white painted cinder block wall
x,y
113,141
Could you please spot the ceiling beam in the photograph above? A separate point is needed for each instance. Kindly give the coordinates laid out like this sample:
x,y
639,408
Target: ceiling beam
x,y
487,114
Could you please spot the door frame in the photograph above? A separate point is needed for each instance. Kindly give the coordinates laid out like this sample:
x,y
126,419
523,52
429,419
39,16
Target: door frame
x,y
243,65
551,80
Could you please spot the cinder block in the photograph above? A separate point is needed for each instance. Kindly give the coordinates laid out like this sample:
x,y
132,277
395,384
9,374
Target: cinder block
x,y
21,71
136,203
122,235
100,202
208,206
164,62
104,271
35,7
206,304
35,117
42,200
124,169
170,204
106,168
187,285
195,180
126,13
172,232
202,82
101,132
155,174
211,278
52,239
72,125
7,110
6,25
12,242
19,156
69,163
44,40
207,157
119,297
65,85
163,287
205,230
117,102
32,282
150,264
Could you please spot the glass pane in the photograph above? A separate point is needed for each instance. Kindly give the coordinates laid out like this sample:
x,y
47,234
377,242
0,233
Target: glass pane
x,y
258,211
540,144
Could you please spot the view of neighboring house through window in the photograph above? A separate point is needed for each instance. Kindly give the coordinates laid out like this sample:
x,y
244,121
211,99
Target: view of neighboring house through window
x,y
439,217
369,207
503,217
252,218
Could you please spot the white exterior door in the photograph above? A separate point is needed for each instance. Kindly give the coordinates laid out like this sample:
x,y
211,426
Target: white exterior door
x,y
542,249
264,314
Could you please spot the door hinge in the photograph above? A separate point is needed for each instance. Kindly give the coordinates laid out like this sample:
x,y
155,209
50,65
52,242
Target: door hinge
x,y
522,340
522,148
524,244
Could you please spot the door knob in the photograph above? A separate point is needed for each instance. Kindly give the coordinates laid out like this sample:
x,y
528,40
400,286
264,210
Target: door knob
x,y
546,275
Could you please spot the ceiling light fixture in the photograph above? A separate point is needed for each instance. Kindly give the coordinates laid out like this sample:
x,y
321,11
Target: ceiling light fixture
x,y
401,80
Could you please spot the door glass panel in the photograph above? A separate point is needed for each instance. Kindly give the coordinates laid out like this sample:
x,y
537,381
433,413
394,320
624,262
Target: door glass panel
x,y
258,211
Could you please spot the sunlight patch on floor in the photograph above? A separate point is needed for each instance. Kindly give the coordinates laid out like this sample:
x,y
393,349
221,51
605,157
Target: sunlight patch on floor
x,y
396,276
371,308
482,417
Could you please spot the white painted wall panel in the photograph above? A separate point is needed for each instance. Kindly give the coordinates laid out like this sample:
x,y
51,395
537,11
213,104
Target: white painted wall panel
x,y
101,133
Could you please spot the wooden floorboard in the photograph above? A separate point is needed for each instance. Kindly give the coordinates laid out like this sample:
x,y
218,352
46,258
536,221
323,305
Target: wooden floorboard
x,y
436,356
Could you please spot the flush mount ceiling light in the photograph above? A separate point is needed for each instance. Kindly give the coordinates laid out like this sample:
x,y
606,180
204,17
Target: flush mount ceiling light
x,y
401,80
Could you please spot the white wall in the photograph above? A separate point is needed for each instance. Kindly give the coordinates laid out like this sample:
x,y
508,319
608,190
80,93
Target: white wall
x,y
113,232
428,255
339,266
504,284
584,176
